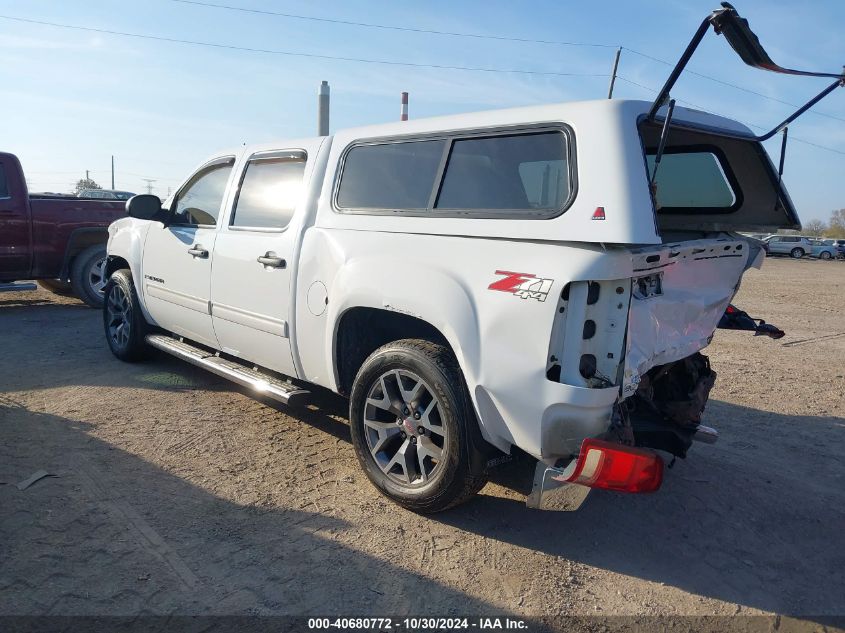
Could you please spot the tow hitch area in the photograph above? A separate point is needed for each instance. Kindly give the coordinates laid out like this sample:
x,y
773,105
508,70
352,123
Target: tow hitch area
x,y
599,464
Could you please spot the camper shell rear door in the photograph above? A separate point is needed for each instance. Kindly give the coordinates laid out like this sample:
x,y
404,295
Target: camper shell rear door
x,y
714,182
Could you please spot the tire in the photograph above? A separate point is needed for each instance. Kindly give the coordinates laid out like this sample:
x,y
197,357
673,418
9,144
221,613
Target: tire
x,y
824,255
87,275
56,286
123,321
389,439
796,253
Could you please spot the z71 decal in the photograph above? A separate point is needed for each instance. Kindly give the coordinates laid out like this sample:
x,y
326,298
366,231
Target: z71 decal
x,y
523,285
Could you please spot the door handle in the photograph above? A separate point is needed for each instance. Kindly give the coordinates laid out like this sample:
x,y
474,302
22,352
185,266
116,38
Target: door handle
x,y
197,250
272,260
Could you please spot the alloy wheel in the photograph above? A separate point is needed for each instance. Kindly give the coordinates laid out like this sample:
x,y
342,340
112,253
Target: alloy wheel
x,y
118,310
404,430
97,276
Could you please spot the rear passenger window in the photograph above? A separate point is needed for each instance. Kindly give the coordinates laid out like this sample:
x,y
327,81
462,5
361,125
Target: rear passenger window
x,y
396,176
270,192
521,172
4,187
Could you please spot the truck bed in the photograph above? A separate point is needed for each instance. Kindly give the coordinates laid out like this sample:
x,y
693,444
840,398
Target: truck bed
x,y
56,218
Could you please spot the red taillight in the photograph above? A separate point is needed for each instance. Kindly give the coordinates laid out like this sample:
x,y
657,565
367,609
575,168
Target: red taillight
x,y
617,467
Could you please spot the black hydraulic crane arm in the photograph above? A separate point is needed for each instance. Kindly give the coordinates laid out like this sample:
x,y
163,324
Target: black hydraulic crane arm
x,y
726,21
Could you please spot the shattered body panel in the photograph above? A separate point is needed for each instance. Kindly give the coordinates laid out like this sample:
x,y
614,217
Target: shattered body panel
x,y
674,312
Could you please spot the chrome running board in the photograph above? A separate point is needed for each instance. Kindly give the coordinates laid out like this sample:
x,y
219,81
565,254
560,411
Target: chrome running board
x,y
263,383
18,286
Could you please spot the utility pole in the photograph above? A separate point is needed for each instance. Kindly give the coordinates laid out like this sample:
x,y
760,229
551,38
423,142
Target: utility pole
x,y
86,175
403,109
112,171
149,182
613,73
323,109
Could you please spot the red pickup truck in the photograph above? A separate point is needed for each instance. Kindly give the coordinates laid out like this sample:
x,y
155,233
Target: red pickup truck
x,y
58,240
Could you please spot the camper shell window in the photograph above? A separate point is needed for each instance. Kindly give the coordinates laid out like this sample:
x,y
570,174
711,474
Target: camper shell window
x,y
694,179
514,173
708,181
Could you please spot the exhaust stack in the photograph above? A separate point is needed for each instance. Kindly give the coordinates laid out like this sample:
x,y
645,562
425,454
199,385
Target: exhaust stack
x,y
323,109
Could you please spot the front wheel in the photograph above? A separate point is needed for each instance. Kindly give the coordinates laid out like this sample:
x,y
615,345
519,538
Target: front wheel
x,y
796,253
88,275
413,426
824,255
123,321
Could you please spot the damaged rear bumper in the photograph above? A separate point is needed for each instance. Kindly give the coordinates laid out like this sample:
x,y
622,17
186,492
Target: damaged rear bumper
x,y
550,491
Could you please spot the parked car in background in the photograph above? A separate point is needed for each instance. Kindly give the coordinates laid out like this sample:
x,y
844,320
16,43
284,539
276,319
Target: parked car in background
x,y
795,246
58,240
838,244
823,249
104,194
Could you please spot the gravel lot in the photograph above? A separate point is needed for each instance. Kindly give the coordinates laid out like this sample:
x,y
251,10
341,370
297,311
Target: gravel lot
x,y
177,493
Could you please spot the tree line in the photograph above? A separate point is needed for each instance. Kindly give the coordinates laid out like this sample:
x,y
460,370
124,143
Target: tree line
x,y
834,227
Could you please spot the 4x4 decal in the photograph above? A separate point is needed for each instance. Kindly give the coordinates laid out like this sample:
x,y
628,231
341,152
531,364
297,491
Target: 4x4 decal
x,y
523,285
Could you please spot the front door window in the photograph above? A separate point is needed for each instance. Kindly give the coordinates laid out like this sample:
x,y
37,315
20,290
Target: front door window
x,y
200,201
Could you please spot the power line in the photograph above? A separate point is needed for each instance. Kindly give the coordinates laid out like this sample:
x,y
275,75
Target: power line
x,y
390,27
408,64
759,127
385,62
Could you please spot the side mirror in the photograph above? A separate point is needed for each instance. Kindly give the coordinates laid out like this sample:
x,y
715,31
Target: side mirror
x,y
145,207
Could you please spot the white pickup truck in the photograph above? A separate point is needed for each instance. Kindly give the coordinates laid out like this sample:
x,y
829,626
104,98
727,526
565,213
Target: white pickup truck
x,y
472,283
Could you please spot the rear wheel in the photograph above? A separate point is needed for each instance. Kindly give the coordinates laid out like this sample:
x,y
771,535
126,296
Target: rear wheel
x,y
413,426
824,255
88,275
123,321
796,253
56,286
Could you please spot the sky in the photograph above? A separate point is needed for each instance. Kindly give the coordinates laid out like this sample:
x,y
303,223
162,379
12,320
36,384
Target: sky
x,y
74,98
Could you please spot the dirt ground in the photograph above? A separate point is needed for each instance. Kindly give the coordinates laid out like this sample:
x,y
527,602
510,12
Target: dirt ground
x,y
177,493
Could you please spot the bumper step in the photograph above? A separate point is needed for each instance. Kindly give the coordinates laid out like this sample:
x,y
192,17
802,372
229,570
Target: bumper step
x,y
263,383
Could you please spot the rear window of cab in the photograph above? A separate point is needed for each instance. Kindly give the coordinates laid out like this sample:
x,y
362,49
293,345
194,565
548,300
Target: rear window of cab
x,y
525,174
